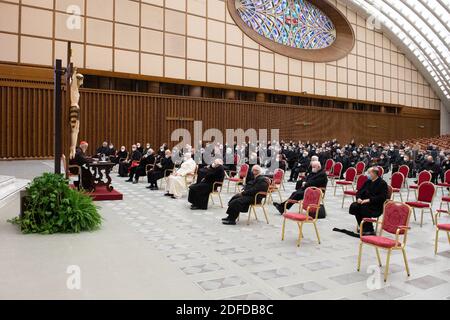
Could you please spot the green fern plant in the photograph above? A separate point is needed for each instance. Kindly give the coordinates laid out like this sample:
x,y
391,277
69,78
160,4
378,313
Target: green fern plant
x,y
51,206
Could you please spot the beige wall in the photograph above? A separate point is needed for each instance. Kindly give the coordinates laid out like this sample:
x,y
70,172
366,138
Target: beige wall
x,y
198,40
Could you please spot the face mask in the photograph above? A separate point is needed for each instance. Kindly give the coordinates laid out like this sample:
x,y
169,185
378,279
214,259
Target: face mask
x,y
134,149
315,170
122,150
369,177
167,156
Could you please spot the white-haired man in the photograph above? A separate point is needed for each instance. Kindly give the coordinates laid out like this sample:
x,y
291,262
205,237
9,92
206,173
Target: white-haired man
x,y
317,178
199,192
176,183
242,201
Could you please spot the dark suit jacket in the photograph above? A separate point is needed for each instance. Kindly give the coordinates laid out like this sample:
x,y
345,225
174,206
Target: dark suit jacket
x,y
318,180
259,184
376,191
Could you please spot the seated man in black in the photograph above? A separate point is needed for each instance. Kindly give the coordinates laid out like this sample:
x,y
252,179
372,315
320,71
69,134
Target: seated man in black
x,y
241,202
199,192
160,170
103,150
81,160
317,178
370,200
300,167
126,164
140,170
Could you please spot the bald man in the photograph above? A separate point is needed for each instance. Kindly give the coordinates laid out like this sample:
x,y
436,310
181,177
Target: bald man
x,y
317,178
241,202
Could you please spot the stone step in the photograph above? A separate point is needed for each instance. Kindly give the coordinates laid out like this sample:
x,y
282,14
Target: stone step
x,y
6,180
10,186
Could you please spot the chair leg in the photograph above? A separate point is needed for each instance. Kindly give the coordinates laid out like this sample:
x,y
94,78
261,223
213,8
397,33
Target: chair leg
x,y
386,271
317,232
335,187
421,218
283,228
432,217
343,198
220,199
401,197
406,262
212,198
265,214
228,186
407,195
279,193
414,214
378,256
300,233
359,256
448,237
254,212
249,214
436,239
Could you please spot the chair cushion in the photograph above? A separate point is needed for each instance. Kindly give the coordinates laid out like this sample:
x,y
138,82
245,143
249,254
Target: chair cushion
x,y
446,199
395,190
235,179
380,241
445,185
414,186
350,192
418,204
296,216
445,227
344,182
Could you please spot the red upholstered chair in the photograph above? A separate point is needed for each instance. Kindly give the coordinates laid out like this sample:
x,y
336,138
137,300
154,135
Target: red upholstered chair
x,y
350,175
360,166
446,183
352,193
336,172
329,164
397,181
404,169
277,183
308,212
441,227
243,172
380,171
395,222
424,176
425,197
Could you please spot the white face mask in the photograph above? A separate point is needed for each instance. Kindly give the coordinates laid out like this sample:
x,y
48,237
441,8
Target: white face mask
x,y
123,149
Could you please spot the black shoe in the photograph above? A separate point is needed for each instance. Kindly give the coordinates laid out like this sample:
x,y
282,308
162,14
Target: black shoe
x,y
154,188
229,222
149,187
168,194
279,207
195,208
226,219
173,197
129,180
135,182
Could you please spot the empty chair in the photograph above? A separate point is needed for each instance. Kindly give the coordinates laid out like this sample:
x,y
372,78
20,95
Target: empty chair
x,y
446,183
445,227
404,169
336,172
277,183
424,201
329,164
381,171
396,217
243,171
424,176
397,181
216,191
350,175
352,193
308,212
360,166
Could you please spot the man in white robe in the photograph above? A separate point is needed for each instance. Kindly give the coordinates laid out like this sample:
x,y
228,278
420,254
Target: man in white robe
x,y
176,183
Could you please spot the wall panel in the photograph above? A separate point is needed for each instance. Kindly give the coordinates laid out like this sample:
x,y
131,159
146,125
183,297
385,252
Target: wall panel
x,y
26,118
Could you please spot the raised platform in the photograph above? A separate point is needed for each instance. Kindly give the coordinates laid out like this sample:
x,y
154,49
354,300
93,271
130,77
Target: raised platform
x,y
102,194
9,186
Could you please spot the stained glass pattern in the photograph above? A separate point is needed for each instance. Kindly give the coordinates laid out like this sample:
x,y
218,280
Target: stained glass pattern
x,y
294,23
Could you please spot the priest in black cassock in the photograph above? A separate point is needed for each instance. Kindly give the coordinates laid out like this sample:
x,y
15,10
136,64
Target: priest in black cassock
x,y
161,170
199,192
126,164
81,159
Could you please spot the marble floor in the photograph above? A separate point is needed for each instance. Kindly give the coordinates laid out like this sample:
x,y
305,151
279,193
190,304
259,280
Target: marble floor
x,y
153,247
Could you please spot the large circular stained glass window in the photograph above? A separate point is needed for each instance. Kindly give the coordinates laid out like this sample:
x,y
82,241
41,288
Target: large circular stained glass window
x,y
310,30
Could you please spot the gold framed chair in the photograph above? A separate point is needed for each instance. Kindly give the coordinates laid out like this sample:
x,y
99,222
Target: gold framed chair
x,y
260,202
216,191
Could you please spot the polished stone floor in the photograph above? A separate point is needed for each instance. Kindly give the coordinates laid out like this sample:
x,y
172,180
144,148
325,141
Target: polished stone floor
x,y
153,247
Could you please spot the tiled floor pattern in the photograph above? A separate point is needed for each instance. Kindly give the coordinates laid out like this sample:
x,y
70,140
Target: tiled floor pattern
x,y
251,261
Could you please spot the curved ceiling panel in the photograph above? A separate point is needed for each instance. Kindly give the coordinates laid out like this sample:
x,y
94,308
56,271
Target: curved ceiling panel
x,y
422,28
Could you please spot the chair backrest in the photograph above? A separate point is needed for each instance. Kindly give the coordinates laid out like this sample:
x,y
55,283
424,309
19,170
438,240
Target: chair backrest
x,y
424,176
350,174
397,180
278,175
447,176
312,197
337,169
360,166
360,182
390,191
243,171
404,169
425,193
395,215
381,171
329,165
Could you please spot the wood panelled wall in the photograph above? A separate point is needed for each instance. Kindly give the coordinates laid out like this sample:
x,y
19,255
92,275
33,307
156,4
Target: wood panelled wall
x,y
124,118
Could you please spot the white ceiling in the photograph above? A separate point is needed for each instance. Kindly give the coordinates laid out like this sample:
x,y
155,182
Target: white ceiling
x,y
421,29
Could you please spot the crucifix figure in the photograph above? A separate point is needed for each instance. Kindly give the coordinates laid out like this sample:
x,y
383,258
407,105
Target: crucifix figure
x,y
76,81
